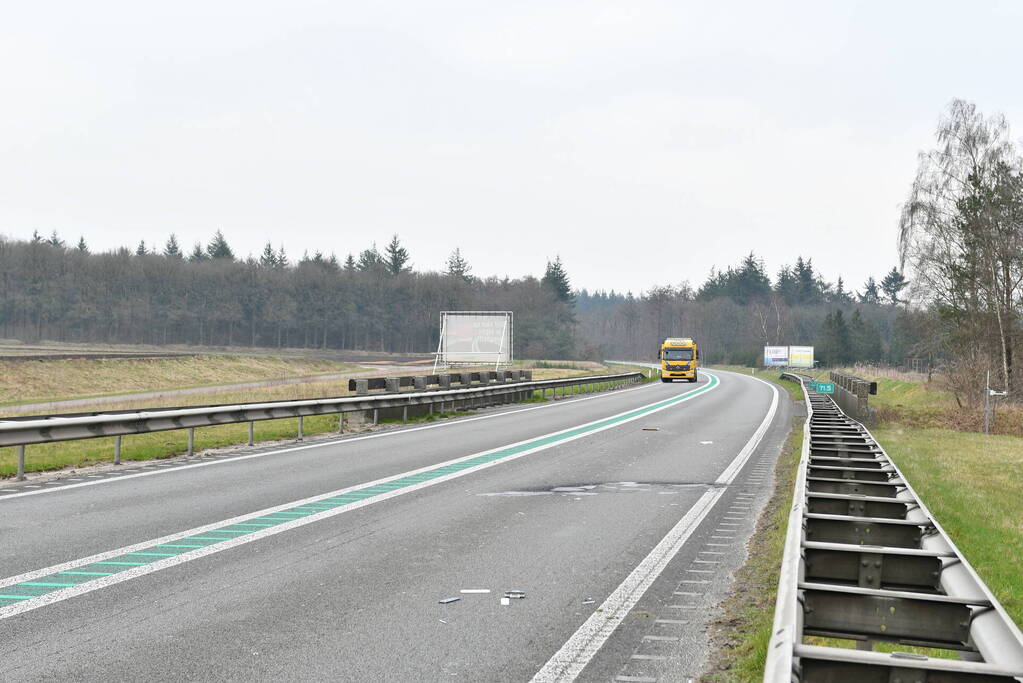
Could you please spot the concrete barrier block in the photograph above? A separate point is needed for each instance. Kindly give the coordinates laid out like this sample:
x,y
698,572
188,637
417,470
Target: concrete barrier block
x,y
362,386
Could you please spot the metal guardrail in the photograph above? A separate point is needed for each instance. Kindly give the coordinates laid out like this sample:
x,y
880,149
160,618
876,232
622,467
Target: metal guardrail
x,y
865,561
25,431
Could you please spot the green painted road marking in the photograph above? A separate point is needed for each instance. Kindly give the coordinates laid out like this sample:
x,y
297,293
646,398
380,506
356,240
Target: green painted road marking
x,y
47,583
314,507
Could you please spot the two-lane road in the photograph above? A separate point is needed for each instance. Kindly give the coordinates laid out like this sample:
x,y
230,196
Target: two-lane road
x,y
620,515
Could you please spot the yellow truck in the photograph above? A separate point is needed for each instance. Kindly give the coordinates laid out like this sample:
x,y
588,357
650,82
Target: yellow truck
x,y
678,356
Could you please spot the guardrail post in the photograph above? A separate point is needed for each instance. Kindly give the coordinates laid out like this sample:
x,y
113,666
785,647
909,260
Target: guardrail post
x,y
21,463
191,441
376,416
117,449
300,436
252,432
340,423
404,414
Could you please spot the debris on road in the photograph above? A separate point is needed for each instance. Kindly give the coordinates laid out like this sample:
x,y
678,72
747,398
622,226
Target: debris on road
x,y
515,594
505,601
651,429
589,601
447,600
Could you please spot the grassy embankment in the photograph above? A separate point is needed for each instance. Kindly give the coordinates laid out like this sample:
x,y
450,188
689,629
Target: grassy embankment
x,y
968,480
80,383
40,381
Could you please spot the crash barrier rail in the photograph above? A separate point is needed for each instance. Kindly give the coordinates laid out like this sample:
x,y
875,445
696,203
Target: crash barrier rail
x,y
25,431
851,393
393,385
866,561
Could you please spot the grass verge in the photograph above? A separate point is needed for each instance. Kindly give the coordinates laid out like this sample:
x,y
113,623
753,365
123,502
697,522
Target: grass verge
x,y
970,483
739,637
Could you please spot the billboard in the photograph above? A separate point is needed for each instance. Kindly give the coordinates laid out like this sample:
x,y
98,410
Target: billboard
x,y
800,356
475,337
776,356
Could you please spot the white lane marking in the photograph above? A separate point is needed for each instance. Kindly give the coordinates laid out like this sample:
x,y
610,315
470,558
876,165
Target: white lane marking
x,y
569,661
88,587
291,449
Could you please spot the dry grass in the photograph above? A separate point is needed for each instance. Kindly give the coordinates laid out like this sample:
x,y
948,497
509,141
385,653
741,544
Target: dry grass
x,y
30,381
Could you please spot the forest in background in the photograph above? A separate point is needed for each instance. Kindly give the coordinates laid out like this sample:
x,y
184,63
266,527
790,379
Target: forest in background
x,y
375,301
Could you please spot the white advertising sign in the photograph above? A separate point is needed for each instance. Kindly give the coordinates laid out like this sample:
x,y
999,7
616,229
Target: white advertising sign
x,y
776,356
481,337
800,356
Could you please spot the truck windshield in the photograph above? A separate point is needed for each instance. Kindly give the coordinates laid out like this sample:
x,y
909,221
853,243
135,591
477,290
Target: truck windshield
x,y
678,354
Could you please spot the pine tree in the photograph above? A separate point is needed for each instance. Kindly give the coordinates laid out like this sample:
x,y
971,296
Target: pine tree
x,y
198,254
458,267
82,246
55,240
218,248
141,250
282,258
349,263
865,339
396,257
839,295
870,293
36,237
750,281
808,285
556,279
172,249
837,345
369,259
786,285
268,259
892,284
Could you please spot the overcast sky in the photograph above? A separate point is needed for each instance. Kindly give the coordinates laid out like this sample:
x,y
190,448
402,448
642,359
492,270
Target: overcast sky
x,y
642,141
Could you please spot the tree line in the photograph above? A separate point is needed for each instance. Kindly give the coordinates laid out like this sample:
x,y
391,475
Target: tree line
x,y
374,300
739,310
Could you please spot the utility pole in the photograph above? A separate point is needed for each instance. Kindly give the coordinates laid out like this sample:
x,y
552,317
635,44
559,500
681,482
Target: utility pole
x,y
988,393
987,403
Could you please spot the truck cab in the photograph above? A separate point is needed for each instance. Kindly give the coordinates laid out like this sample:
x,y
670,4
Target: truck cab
x,y
679,358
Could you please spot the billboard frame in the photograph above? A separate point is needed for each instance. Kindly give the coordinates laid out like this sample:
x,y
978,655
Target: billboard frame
x,y
499,357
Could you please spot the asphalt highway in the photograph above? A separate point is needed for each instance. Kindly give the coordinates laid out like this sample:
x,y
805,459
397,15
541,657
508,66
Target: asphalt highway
x,y
620,516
